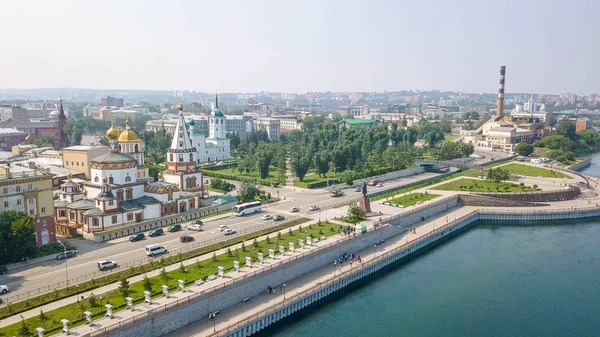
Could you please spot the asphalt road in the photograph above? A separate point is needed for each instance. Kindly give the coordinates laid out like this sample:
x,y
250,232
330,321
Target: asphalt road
x,y
122,251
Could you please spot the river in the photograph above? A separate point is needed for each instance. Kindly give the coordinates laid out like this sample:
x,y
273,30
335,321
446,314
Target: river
x,y
494,280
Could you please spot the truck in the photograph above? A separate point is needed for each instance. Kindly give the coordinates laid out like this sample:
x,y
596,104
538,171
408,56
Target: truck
x,y
336,193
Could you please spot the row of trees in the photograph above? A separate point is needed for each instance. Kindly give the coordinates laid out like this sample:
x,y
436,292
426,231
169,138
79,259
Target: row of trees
x,y
16,237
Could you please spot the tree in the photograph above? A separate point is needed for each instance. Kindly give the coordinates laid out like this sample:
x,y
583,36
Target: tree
x,y
41,141
248,192
497,175
524,149
264,156
348,177
16,232
124,287
567,130
24,330
301,164
355,213
146,283
321,163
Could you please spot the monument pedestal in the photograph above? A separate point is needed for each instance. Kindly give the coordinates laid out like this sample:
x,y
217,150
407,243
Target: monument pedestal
x,y
365,204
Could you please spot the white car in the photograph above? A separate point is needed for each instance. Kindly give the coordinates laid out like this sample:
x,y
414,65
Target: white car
x,y
4,289
313,208
267,217
195,227
229,231
294,209
223,228
380,185
106,264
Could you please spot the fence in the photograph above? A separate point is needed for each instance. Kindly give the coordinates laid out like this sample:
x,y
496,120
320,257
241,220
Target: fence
x,y
135,263
415,210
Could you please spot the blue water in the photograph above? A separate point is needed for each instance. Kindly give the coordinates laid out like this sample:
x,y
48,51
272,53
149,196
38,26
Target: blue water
x,y
494,280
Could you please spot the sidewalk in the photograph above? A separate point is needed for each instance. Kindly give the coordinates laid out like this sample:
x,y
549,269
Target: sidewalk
x,y
98,291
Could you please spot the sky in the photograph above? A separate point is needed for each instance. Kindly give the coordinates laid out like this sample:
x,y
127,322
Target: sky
x,y
547,46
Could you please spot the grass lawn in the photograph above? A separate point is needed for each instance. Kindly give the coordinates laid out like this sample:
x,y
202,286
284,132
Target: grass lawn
x,y
472,185
74,312
413,198
312,178
416,187
532,171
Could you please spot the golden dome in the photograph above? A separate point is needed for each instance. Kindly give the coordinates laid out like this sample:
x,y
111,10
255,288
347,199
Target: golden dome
x,y
113,132
180,107
85,192
128,136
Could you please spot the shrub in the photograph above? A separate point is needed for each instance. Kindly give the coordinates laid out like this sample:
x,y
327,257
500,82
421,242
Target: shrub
x,y
243,246
229,253
278,236
163,274
92,299
290,233
535,186
214,257
124,287
321,232
255,244
268,240
182,268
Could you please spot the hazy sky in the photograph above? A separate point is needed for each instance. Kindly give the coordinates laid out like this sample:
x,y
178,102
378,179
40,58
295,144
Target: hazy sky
x,y
548,46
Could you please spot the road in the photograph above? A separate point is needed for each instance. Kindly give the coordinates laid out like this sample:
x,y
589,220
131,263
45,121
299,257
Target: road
x,y
28,278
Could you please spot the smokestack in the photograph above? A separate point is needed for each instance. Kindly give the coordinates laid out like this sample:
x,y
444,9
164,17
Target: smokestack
x,y
500,103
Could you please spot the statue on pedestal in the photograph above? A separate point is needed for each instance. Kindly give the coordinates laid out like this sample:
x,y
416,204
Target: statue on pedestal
x,y
364,189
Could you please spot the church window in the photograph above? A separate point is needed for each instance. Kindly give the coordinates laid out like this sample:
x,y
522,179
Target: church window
x,y
114,219
171,157
128,178
170,196
120,195
96,179
129,193
94,221
72,216
181,158
110,203
62,213
181,143
136,148
129,216
191,157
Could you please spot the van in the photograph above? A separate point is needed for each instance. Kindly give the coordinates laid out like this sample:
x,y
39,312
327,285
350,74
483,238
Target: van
x,y
153,250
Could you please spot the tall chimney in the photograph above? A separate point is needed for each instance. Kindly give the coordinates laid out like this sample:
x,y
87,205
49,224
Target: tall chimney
x,y
500,102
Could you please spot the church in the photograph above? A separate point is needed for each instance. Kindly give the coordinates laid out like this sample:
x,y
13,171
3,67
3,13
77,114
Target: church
x,y
216,147
120,192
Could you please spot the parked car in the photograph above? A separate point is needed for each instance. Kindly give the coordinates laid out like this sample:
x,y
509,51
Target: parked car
x,y
186,238
294,209
198,222
4,289
195,227
106,264
374,182
229,231
3,270
278,217
66,255
336,193
380,185
358,189
156,232
267,217
137,237
223,228
174,228
313,208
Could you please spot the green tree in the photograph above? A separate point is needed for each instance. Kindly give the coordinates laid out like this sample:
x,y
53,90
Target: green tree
x,y
41,141
248,192
24,330
301,164
524,149
355,213
16,236
567,130
497,175
348,177
321,163
146,283
124,287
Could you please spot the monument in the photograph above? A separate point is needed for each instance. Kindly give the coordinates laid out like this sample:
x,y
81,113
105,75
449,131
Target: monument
x,y
364,202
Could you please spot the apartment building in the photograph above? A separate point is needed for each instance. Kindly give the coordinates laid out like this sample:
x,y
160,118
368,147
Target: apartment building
x,y
29,191
270,125
78,157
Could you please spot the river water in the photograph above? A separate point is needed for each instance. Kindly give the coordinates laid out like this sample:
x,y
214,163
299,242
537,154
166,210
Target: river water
x,y
494,280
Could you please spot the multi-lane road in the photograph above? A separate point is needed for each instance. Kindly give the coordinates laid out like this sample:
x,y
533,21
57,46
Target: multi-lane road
x,y
31,277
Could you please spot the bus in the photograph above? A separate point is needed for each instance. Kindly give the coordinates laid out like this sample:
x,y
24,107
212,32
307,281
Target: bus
x,y
247,208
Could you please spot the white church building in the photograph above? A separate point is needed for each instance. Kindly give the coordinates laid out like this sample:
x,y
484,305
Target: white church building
x,y
216,147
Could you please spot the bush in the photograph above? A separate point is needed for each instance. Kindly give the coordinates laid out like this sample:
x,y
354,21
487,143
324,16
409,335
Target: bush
x,y
535,186
229,252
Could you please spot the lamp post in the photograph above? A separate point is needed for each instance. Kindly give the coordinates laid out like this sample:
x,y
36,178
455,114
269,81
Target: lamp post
x,y
101,310
334,267
66,265
284,291
77,292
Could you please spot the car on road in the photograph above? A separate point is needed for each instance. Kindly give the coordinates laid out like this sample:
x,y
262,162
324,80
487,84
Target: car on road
x,y
153,250
267,217
223,228
106,264
174,228
3,270
156,232
66,255
229,231
186,238
336,193
294,209
313,208
198,222
278,217
374,182
358,189
4,289
137,237
195,227
380,185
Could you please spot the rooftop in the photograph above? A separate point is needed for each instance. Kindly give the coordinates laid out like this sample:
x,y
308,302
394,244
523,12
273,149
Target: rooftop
x,y
356,121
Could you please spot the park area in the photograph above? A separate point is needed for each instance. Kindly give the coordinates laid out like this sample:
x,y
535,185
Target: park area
x,y
474,185
413,199
200,270
533,171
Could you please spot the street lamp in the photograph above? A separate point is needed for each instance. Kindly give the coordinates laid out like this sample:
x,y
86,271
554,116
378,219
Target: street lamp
x,y
284,291
334,267
77,292
101,310
66,270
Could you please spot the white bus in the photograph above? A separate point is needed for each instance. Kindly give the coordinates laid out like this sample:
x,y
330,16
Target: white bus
x,y
247,208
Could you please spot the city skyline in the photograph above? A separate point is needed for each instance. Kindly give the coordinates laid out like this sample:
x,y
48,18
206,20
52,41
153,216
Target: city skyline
x,y
300,47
